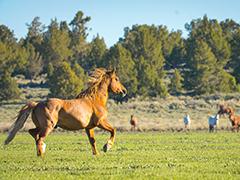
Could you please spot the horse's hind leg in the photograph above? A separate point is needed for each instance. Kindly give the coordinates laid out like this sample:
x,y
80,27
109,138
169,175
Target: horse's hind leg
x,y
34,133
90,134
106,126
41,146
46,123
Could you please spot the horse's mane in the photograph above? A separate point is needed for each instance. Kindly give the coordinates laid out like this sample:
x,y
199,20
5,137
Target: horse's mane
x,y
96,77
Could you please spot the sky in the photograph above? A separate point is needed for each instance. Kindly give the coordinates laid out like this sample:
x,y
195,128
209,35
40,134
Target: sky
x,y
110,17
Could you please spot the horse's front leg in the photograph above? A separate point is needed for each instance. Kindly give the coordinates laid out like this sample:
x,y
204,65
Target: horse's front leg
x,y
106,126
234,128
90,134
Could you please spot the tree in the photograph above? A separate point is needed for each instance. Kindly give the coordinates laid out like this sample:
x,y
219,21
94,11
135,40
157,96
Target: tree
x,y
96,55
56,44
35,34
9,87
176,83
79,71
120,58
79,28
175,52
146,49
78,34
235,56
213,76
6,35
226,83
229,28
12,55
211,32
64,83
201,76
35,63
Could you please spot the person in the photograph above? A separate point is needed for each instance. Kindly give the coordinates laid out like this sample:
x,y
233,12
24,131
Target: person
x,y
187,121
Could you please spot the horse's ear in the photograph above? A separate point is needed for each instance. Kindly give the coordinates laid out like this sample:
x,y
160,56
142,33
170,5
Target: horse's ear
x,y
111,71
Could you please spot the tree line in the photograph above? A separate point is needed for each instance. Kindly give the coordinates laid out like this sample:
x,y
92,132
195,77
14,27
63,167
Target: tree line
x,y
207,61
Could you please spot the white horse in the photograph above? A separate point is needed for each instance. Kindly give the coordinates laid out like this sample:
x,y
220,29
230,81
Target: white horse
x,y
213,122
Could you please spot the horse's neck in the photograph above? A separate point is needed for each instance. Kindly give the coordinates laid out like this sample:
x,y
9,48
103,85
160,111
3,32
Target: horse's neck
x,y
231,116
102,94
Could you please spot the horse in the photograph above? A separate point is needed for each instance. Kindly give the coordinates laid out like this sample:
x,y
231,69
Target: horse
x,y
213,122
133,122
234,119
86,111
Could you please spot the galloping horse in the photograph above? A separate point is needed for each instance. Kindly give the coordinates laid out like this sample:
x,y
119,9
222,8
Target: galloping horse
x,y
86,111
234,119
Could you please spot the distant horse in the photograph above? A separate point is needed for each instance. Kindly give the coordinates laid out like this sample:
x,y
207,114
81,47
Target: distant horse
x,y
213,122
133,122
87,111
234,119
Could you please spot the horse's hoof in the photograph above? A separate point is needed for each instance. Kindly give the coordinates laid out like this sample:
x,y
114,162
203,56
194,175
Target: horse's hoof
x,y
106,147
44,148
41,150
96,153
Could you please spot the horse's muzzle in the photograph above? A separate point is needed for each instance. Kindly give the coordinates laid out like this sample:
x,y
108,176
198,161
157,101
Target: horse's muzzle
x,y
124,92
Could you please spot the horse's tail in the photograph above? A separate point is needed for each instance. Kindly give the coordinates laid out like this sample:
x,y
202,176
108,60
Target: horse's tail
x,y
21,119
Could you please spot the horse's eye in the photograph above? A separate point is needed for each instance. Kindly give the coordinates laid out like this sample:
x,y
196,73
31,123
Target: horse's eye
x,y
116,79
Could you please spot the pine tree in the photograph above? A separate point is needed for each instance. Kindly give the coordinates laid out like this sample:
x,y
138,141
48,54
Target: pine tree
x,y
9,87
35,34
64,83
145,47
202,68
120,58
79,28
235,57
13,55
211,32
176,83
35,63
96,55
78,34
56,45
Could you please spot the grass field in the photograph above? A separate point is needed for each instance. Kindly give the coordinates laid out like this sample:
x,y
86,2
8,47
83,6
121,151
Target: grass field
x,y
148,155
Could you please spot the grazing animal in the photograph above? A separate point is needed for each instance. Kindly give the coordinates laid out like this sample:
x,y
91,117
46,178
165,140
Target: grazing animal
x,y
133,122
187,122
234,119
213,122
87,111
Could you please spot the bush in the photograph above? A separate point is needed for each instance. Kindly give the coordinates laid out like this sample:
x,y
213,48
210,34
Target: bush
x,y
9,87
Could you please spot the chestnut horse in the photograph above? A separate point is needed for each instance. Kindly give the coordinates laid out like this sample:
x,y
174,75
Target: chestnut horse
x,y
87,111
234,119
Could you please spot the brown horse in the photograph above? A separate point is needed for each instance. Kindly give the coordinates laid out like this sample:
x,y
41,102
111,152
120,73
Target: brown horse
x,y
133,122
86,111
234,119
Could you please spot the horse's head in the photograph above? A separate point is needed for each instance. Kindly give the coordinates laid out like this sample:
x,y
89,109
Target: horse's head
x,y
222,110
225,110
115,84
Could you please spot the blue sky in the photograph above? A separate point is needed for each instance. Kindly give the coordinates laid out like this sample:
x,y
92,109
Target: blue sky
x,y
109,17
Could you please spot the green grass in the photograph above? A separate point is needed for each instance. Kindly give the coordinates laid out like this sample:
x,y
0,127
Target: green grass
x,y
151,155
